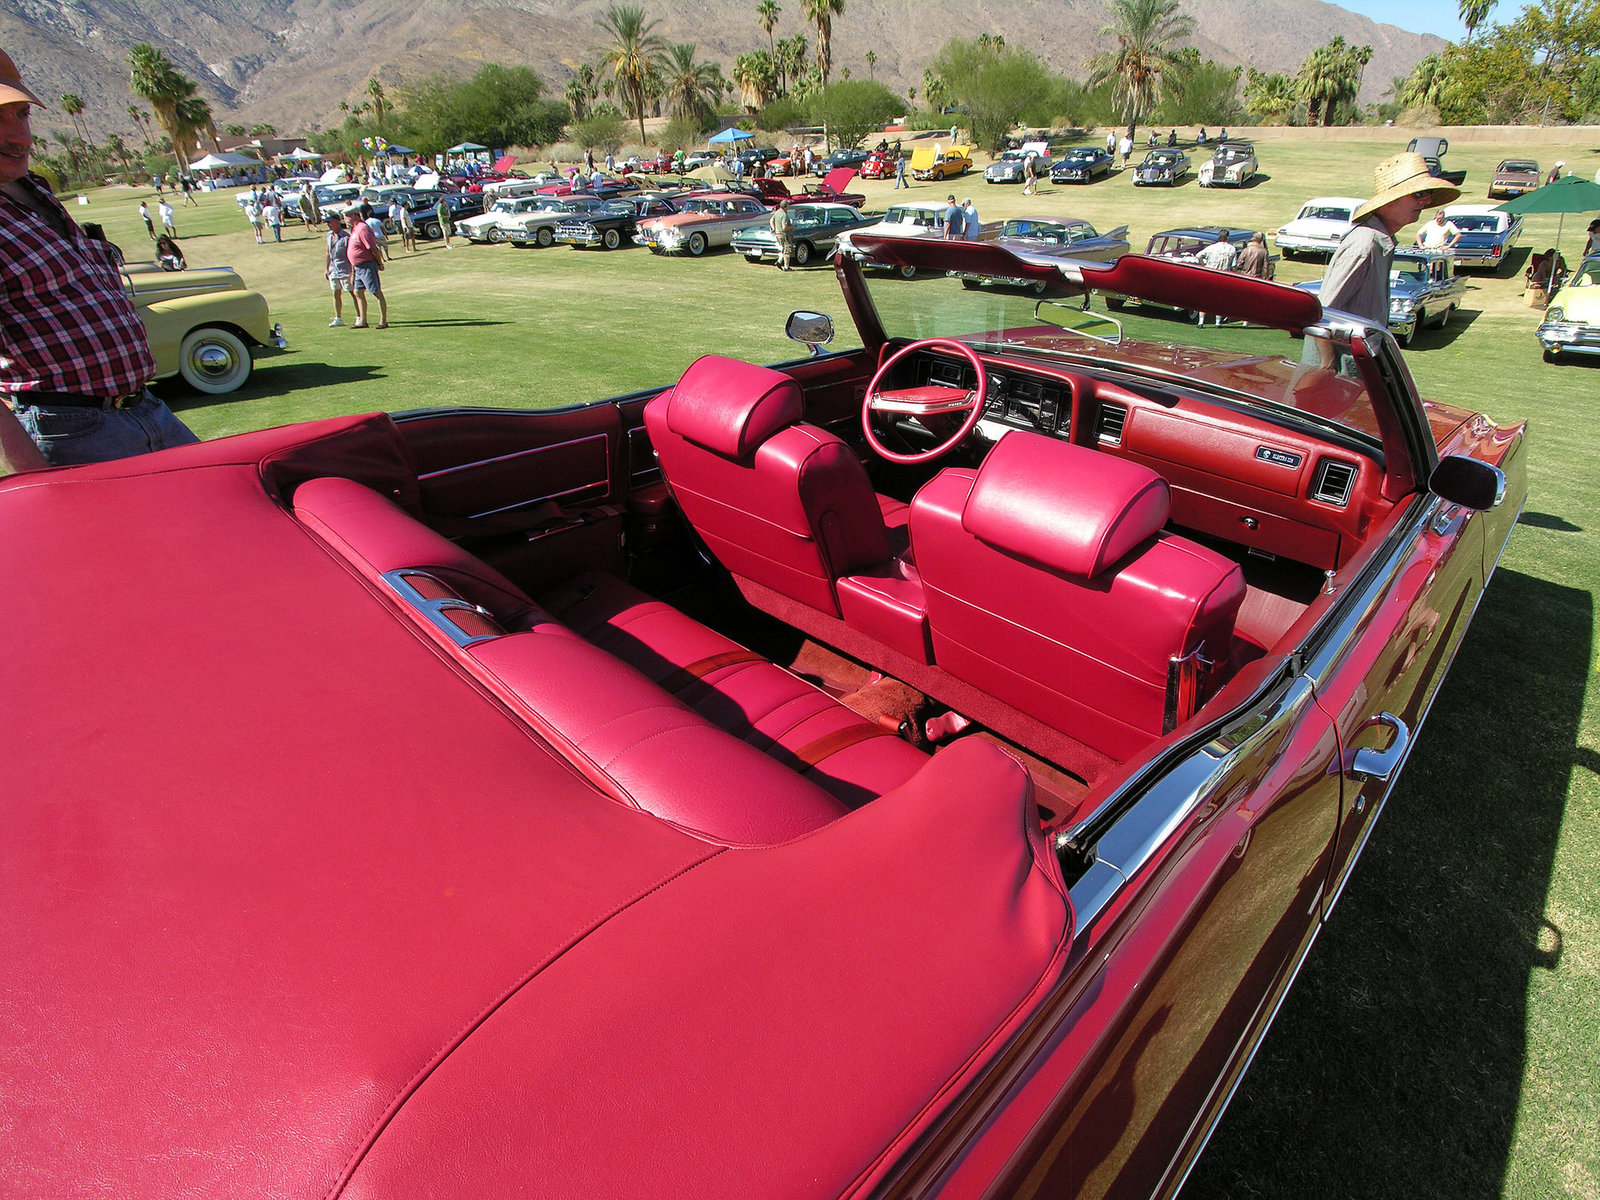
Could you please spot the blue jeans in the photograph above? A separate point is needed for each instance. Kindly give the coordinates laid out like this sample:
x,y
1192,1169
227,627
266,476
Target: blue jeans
x,y
69,436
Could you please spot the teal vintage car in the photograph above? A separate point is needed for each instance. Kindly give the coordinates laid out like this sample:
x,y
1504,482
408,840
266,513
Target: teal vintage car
x,y
813,228
203,324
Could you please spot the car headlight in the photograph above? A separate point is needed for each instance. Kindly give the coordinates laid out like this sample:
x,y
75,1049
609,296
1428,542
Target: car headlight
x,y
1401,308
1555,314
670,237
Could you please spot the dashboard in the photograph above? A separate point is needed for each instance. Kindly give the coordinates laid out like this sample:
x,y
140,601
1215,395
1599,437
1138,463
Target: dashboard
x,y
1250,477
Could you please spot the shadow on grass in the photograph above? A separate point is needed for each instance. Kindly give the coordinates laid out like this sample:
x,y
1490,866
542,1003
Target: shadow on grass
x,y
279,379
447,323
1460,321
1548,521
1396,1066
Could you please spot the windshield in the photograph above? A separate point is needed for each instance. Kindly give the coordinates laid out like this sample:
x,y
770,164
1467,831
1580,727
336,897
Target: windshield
x,y
1476,224
1080,156
1520,168
911,216
1157,346
1324,212
1045,231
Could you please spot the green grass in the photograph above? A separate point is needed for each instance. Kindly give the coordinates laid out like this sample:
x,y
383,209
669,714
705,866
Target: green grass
x,y
1443,1040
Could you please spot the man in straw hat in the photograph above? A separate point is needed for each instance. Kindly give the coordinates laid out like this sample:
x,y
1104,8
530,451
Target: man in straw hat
x,y
74,358
1357,281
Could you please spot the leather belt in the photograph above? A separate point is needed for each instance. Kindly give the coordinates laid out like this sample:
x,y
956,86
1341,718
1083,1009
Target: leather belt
x,y
69,400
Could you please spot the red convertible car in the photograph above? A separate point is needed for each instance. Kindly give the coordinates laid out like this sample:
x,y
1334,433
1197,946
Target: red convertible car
x,y
916,769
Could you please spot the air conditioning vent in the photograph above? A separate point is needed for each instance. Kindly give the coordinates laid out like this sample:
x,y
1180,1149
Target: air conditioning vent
x,y
1334,481
1108,427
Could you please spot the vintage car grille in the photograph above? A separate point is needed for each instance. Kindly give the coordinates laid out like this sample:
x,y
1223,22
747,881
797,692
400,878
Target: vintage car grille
x,y
577,231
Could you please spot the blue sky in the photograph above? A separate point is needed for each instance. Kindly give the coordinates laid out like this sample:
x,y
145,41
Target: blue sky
x,y
1425,16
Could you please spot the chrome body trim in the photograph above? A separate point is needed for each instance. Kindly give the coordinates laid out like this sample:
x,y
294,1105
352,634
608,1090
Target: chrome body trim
x,y
458,468
435,611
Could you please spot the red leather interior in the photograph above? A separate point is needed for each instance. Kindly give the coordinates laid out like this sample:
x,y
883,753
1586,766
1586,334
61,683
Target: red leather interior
x,y
852,759
1087,655
785,504
716,688
1018,505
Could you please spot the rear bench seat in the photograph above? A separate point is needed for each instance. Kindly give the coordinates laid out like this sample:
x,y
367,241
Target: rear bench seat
x,y
658,710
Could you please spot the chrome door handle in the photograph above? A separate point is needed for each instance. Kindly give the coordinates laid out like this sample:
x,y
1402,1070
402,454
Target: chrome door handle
x,y
1379,766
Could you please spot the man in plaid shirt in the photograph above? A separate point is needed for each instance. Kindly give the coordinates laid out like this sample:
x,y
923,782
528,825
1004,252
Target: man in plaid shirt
x,y
74,359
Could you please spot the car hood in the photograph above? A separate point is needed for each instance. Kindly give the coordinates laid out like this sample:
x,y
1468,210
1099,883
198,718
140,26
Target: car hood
x,y
836,179
1318,227
1579,304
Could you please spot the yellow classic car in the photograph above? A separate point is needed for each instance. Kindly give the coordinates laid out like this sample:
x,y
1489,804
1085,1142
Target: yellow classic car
x,y
203,323
1572,320
940,162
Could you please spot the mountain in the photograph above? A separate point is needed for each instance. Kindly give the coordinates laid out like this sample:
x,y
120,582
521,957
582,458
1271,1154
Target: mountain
x,y
290,62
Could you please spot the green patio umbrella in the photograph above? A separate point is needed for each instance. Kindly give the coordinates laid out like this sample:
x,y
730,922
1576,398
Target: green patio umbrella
x,y
1569,194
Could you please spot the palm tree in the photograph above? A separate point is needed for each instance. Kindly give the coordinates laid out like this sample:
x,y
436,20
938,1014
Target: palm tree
x,y
755,77
380,102
789,63
767,13
634,55
821,14
872,61
153,77
72,105
1144,56
1317,83
1425,85
693,88
577,99
117,146
1474,13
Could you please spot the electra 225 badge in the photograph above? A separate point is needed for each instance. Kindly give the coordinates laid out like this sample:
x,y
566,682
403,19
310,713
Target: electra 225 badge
x,y
1282,458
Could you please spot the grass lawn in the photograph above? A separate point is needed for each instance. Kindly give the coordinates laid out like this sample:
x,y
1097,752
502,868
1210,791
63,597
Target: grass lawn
x,y
1444,1039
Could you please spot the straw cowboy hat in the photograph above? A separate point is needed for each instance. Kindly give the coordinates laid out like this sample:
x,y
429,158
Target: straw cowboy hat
x,y
1404,175
11,88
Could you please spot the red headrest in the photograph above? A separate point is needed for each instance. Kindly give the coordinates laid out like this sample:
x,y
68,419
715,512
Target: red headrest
x,y
731,407
1065,507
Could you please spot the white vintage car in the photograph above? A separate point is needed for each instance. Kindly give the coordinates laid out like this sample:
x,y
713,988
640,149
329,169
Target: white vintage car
x,y
1232,164
491,226
1318,226
924,219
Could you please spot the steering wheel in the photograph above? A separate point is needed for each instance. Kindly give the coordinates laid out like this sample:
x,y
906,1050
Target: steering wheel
x,y
930,400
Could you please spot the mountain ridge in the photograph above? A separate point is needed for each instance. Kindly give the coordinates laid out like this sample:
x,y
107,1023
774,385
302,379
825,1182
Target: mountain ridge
x,y
290,62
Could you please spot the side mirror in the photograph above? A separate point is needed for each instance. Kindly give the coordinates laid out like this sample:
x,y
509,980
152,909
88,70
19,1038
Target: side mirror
x,y
812,328
1468,482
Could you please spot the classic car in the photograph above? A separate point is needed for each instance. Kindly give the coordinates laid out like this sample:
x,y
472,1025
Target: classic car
x,y
765,189
1011,166
701,223
1513,177
538,228
609,188
759,154
1572,320
851,158
879,164
1433,149
490,225
1317,227
1423,291
519,185
203,324
377,196
1232,164
1042,239
498,863
424,209
1487,234
613,225
1162,166
940,162
1081,164
1184,243
813,229
914,219
832,188
700,158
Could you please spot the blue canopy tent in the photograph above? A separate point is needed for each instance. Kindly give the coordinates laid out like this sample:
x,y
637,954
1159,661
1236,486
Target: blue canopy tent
x,y
733,134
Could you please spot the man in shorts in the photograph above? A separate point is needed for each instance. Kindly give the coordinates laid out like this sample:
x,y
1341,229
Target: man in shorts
x,y
366,266
337,268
